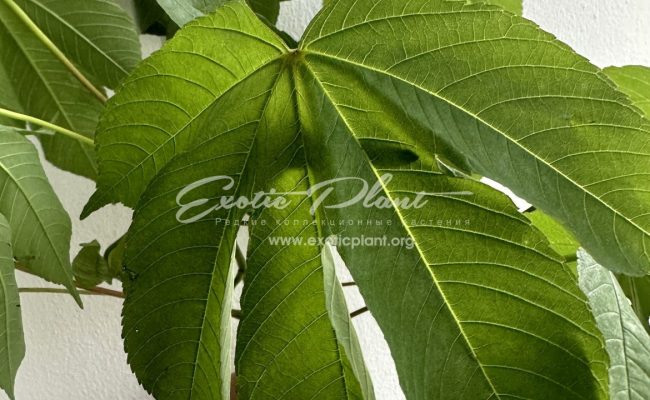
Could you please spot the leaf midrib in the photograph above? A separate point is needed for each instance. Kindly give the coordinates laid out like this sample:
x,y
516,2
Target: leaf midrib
x,y
61,262
231,212
482,121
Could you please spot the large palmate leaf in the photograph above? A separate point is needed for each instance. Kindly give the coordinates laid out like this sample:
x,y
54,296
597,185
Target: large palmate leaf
x,y
628,344
12,342
459,284
40,226
483,98
43,87
176,316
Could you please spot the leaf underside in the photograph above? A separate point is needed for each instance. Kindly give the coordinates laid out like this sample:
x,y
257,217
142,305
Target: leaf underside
x,y
372,85
628,343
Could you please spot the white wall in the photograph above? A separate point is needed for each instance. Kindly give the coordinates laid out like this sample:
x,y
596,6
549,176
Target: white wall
x,y
78,355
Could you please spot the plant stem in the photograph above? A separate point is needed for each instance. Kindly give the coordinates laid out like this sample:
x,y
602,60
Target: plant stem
x,y
55,50
98,291
88,292
45,124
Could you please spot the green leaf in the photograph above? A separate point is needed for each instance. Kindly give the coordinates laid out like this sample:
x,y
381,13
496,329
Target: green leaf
x,y
635,82
638,291
114,257
97,35
628,344
284,307
182,12
561,241
480,286
41,227
44,88
150,17
156,113
523,108
269,9
90,268
8,100
339,314
12,345
176,317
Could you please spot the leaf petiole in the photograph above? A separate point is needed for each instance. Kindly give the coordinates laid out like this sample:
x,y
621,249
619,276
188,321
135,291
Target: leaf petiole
x,y
45,124
97,291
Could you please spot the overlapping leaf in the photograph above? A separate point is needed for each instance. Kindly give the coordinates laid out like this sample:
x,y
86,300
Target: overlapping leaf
x,y
96,34
637,291
156,114
449,282
176,316
342,323
628,344
40,226
40,85
90,268
635,81
183,11
177,312
292,306
522,107
12,343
